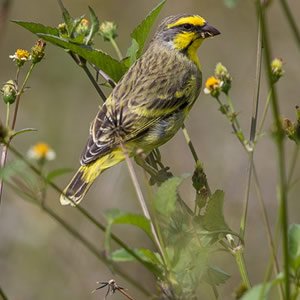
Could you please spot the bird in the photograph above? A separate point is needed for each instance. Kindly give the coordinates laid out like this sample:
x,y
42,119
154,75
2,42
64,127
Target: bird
x,y
149,104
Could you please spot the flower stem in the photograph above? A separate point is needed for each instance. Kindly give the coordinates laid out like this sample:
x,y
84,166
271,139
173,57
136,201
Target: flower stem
x,y
3,295
117,49
5,147
239,257
279,140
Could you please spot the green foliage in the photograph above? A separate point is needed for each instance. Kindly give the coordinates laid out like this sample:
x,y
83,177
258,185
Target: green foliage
x,y
151,259
116,216
166,196
37,28
213,219
260,291
294,246
231,3
94,26
58,172
140,34
11,169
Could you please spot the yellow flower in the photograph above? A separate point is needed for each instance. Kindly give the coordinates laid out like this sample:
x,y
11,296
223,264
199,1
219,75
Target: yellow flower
x,y
213,86
20,57
41,151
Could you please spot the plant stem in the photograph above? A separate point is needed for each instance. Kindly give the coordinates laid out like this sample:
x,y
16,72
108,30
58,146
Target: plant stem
x,y
291,21
264,115
293,165
255,105
239,257
142,200
117,49
279,140
5,148
272,245
3,295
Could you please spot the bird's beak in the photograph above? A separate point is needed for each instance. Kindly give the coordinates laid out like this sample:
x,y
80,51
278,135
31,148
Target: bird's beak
x,y
208,31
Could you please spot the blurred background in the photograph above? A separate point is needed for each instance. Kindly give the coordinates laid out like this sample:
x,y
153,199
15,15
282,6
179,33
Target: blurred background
x,y
38,258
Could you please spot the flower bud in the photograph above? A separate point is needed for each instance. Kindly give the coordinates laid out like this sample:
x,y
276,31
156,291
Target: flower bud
x,y
20,57
289,128
9,91
82,28
276,69
62,29
223,75
108,30
38,51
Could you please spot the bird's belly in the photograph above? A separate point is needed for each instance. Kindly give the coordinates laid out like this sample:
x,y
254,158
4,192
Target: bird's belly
x,y
161,132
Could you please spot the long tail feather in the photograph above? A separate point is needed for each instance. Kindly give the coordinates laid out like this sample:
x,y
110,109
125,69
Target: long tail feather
x,y
77,188
86,175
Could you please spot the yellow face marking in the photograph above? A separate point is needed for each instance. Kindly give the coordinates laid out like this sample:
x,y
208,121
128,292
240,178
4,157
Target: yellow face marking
x,y
194,20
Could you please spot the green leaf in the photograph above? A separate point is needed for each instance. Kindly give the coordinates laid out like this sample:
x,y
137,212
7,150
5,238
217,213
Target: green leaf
x,y
58,172
213,219
215,276
116,216
260,292
294,245
67,17
94,26
141,32
150,258
24,130
166,196
103,61
131,53
37,28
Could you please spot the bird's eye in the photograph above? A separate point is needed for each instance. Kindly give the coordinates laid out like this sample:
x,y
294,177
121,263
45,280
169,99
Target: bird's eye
x,y
187,26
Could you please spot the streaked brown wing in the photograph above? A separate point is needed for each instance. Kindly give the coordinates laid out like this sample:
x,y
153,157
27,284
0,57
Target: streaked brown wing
x,y
144,96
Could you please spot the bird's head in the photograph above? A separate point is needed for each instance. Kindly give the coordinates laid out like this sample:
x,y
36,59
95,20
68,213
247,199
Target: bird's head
x,y
185,33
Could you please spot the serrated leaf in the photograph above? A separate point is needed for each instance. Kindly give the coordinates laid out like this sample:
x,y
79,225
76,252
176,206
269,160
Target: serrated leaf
x,y
141,32
213,219
94,26
166,196
67,17
215,276
260,292
58,172
101,60
294,245
37,28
